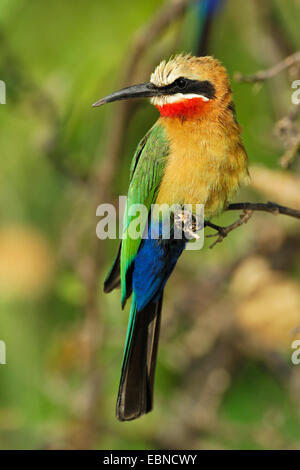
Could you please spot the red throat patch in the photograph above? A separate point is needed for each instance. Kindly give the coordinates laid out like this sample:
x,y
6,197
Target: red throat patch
x,y
187,108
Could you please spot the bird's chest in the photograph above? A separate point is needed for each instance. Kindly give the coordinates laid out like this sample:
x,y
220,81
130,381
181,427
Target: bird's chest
x,y
198,169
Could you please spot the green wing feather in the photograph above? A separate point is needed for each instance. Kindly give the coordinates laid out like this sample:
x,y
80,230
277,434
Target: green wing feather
x,y
146,172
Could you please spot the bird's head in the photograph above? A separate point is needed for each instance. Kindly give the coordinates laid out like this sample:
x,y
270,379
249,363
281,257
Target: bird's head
x,y
185,87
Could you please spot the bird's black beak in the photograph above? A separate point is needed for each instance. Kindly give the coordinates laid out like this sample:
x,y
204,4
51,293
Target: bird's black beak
x,y
144,90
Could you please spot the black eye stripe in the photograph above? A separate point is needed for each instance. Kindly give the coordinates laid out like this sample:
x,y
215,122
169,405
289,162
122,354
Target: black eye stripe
x,y
198,87
204,88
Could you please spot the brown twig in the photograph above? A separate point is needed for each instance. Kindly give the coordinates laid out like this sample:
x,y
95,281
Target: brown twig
x,y
285,127
222,232
271,72
293,115
287,131
248,208
271,207
289,156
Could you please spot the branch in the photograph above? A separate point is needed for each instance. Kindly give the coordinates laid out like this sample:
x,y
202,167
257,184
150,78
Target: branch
x,y
287,131
262,75
271,207
289,156
286,126
248,208
222,232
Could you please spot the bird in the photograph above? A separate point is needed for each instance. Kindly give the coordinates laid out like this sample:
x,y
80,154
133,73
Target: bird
x,y
192,155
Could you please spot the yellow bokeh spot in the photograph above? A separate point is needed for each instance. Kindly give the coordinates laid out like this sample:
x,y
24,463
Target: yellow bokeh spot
x,y
26,262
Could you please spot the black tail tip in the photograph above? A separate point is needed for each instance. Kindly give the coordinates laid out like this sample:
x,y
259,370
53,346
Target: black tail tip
x,y
130,414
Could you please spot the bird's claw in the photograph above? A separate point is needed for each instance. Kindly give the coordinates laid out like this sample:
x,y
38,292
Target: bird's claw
x,y
189,223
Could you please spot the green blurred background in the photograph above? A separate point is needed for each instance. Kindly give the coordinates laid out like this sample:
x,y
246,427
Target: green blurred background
x,y
224,377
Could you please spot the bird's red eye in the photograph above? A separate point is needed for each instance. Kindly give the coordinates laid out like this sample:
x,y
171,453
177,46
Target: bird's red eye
x,y
181,82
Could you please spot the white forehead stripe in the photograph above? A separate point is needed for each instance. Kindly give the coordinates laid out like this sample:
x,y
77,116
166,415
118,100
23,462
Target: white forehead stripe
x,y
167,72
169,99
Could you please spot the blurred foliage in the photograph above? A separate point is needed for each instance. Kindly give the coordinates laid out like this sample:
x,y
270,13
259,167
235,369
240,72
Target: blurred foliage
x,y
224,377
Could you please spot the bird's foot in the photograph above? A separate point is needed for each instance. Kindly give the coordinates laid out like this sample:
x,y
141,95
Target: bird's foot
x,y
188,223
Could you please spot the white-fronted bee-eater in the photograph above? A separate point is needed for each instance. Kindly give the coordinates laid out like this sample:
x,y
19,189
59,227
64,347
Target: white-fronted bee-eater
x,y
192,155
